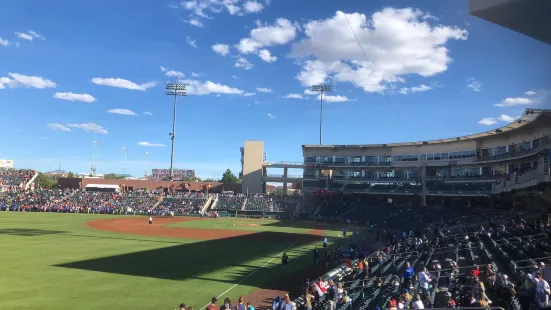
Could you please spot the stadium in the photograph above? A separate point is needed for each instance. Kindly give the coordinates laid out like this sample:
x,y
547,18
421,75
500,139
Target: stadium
x,y
460,222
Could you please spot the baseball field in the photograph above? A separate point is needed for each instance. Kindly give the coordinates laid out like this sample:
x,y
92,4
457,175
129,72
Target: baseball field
x,y
85,261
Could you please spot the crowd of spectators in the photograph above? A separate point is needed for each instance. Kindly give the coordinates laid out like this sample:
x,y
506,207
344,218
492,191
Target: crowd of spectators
x,y
230,202
181,204
15,177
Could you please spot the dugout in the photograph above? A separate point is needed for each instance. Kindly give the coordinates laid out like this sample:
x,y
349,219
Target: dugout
x,y
104,188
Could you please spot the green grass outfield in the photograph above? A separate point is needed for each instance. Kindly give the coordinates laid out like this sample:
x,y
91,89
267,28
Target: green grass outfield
x,y
53,261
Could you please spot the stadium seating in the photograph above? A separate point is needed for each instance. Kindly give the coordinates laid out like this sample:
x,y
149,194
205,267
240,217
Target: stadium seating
x,y
230,202
15,177
182,203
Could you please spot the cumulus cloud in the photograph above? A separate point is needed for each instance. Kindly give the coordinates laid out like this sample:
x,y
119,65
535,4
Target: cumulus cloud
x,y
415,89
57,126
194,74
530,93
398,42
253,7
488,121
204,9
172,73
270,116
147,144
294,96
222,49
280,33
122,112
195,87
24,36
75,97
249,94
263,90
310,92
243,64
122,83
191,42
90,127
338,98
474,84
20,80
148,113
4,42
509,102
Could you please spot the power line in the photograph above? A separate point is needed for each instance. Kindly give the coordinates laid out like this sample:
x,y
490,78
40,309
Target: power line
x,y
376,77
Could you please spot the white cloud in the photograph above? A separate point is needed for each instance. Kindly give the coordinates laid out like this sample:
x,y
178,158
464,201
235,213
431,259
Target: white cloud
x,y
35,35
203,9
270,116
191,42
222,49
310,92
243,63
194,22
509,102
75,97
122,83
148,113
398,42
474,84
18,80
24,36
172,73
57,126
338,98
235,77
194,74
530,93
4,42
122,112
294,96
280,33
507,118
249,94
488,121
90,127
263,90
266,56
415,89
253,6
195,87
147,144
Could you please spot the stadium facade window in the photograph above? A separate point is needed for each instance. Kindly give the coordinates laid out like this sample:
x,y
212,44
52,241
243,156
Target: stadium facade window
x,y
357,159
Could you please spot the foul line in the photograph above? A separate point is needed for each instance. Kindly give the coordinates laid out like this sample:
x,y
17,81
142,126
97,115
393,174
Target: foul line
x,y
249,275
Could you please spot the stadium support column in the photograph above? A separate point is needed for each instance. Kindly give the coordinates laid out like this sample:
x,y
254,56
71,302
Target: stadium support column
x,y
285,172
424,184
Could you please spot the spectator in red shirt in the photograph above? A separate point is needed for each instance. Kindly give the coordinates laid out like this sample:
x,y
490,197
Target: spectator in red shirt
x,y
476,272
213,305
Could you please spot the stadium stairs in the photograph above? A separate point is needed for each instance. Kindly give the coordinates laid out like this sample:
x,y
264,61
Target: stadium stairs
x,y
316,211
244,204
209,201
213,204
27,186
158,203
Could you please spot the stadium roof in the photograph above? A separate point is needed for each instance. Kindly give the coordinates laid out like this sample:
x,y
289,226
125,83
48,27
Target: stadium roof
x,y
528,117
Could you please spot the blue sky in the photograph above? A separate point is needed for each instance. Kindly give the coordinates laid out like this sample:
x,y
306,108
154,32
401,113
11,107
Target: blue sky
x,y
65,64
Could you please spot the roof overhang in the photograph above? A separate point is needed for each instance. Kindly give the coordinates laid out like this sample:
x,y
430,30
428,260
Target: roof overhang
x,y
528,117
529,17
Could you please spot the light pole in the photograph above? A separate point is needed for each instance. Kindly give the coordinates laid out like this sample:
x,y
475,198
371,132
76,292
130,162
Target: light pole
x,y
322,88
146,159
174,89
123,158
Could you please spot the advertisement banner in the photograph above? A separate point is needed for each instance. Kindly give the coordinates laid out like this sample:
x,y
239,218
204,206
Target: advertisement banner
x,y
178,174
6,163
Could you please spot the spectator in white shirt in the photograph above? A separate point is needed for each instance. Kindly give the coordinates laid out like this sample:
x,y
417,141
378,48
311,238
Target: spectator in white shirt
x,y
417,303
424,280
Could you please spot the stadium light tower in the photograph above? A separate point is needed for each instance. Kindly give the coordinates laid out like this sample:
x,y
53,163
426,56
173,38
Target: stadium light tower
x,y
174,89
123,149
322,88
146,160
95,153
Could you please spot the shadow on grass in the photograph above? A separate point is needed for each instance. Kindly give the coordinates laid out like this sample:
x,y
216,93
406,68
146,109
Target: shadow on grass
x,y
212,257
25,232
